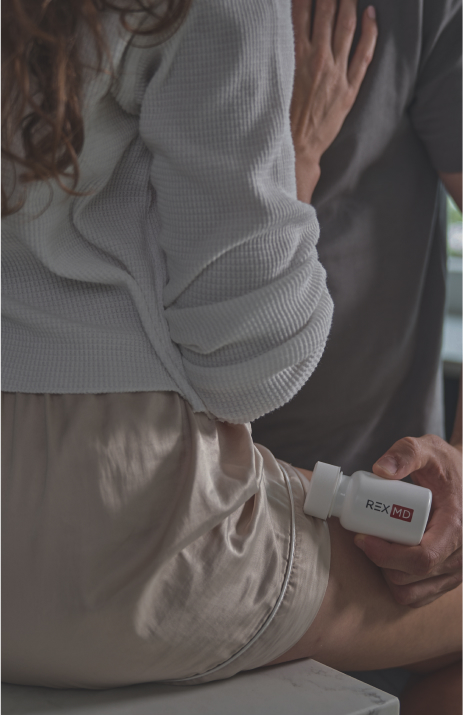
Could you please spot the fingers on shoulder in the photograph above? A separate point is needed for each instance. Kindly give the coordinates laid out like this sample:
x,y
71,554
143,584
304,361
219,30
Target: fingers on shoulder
x,y
301,12
364,52
325,14
346,23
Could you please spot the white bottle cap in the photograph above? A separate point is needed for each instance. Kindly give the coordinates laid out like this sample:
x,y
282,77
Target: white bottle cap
x,y
321,490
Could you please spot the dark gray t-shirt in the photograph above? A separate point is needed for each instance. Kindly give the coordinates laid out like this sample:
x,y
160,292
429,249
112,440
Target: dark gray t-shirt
x,y
382,214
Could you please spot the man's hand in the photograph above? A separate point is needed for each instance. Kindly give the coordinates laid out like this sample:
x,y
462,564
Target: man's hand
x,y
326,83
418,575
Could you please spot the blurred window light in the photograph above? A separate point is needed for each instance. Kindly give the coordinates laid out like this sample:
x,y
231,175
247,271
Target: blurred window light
x,y
452,338
454,229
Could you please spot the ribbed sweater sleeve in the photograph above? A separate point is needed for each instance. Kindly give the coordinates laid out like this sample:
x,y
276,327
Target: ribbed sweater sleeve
x,y
246,299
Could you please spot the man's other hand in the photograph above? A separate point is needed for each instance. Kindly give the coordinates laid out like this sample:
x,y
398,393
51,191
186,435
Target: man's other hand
x,y
418,575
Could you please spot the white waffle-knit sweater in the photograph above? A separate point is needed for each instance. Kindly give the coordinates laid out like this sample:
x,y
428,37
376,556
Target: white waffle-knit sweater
x,y
189,264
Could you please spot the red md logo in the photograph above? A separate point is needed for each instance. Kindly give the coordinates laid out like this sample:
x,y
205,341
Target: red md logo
x,y
402,513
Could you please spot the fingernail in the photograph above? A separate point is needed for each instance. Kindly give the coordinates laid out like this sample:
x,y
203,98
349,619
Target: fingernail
x,y
388,464
359,541
371,12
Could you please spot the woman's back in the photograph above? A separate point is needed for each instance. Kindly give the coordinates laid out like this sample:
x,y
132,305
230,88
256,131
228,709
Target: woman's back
x,y
184,182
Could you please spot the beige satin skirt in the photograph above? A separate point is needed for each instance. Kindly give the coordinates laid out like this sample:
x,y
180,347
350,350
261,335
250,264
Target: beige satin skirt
x,y
144,542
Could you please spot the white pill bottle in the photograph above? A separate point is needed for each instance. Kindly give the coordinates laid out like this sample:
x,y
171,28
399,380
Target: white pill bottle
x,y
391,509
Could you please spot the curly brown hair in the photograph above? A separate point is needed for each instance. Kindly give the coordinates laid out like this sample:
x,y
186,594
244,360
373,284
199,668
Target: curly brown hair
x,y
42,74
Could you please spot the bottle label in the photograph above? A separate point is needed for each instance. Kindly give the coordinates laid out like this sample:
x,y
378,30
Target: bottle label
x,y
398,512
402,513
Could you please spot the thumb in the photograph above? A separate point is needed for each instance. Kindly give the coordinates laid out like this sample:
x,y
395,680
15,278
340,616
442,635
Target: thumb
x,y
399,461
